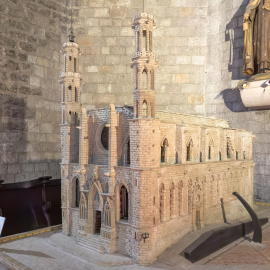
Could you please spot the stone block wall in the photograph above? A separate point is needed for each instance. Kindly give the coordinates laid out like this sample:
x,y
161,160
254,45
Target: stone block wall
x,y
104,33
31,36
223,71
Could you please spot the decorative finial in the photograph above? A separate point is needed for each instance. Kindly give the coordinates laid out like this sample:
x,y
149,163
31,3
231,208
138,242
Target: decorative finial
x,y
71,36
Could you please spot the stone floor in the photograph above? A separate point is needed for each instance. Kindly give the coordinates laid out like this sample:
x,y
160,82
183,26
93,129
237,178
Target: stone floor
x,y
3,267
51,251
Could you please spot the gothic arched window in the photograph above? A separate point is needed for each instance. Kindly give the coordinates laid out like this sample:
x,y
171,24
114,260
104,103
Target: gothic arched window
x,y
163,150
144,109
144,79
105,138
189,145
123,203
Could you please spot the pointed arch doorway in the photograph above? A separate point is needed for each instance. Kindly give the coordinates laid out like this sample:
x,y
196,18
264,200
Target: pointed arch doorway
x,y
95,208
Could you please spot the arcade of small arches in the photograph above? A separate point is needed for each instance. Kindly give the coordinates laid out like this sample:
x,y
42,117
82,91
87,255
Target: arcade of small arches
x,y
189,197
147,109
190,155
144,78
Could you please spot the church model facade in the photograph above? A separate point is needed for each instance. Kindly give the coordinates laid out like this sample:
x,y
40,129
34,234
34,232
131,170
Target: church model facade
x,y
135,179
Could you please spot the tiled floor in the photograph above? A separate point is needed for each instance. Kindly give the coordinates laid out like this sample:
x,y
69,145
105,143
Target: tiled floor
x,y
247,253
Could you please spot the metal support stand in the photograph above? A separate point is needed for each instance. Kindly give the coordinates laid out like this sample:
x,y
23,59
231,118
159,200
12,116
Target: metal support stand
x,y
257,236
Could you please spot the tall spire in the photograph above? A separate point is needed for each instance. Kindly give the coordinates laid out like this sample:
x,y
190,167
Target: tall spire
x,y
71,36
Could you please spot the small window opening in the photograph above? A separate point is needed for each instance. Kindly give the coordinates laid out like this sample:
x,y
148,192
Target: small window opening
x,y
138,41
128,152
220,156
77,194
75,64
144,41
144,79
154,200
209,152
176,157
200,156
137,108
64,93
236,155
228,151
70,58
136,77
76,94
244,155
69,92
76,119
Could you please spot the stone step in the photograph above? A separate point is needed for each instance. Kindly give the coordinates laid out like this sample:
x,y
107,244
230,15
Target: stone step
x,y
90,246
90,241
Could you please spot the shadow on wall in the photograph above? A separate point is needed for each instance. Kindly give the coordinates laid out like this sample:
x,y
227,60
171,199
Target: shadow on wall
x,y
16,163
232,100
13,128
235,35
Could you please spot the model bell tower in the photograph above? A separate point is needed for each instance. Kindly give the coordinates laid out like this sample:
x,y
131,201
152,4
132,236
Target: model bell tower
x,y
144,65
71,97
144,127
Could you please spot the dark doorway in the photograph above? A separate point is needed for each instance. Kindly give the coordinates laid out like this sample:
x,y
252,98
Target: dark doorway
x,y
198,221
98,222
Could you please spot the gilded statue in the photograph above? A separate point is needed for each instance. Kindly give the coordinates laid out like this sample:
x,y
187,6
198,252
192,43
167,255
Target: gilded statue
x,y
256,24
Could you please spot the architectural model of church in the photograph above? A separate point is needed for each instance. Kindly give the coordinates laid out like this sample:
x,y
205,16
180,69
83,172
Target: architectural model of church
x,y
134,179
